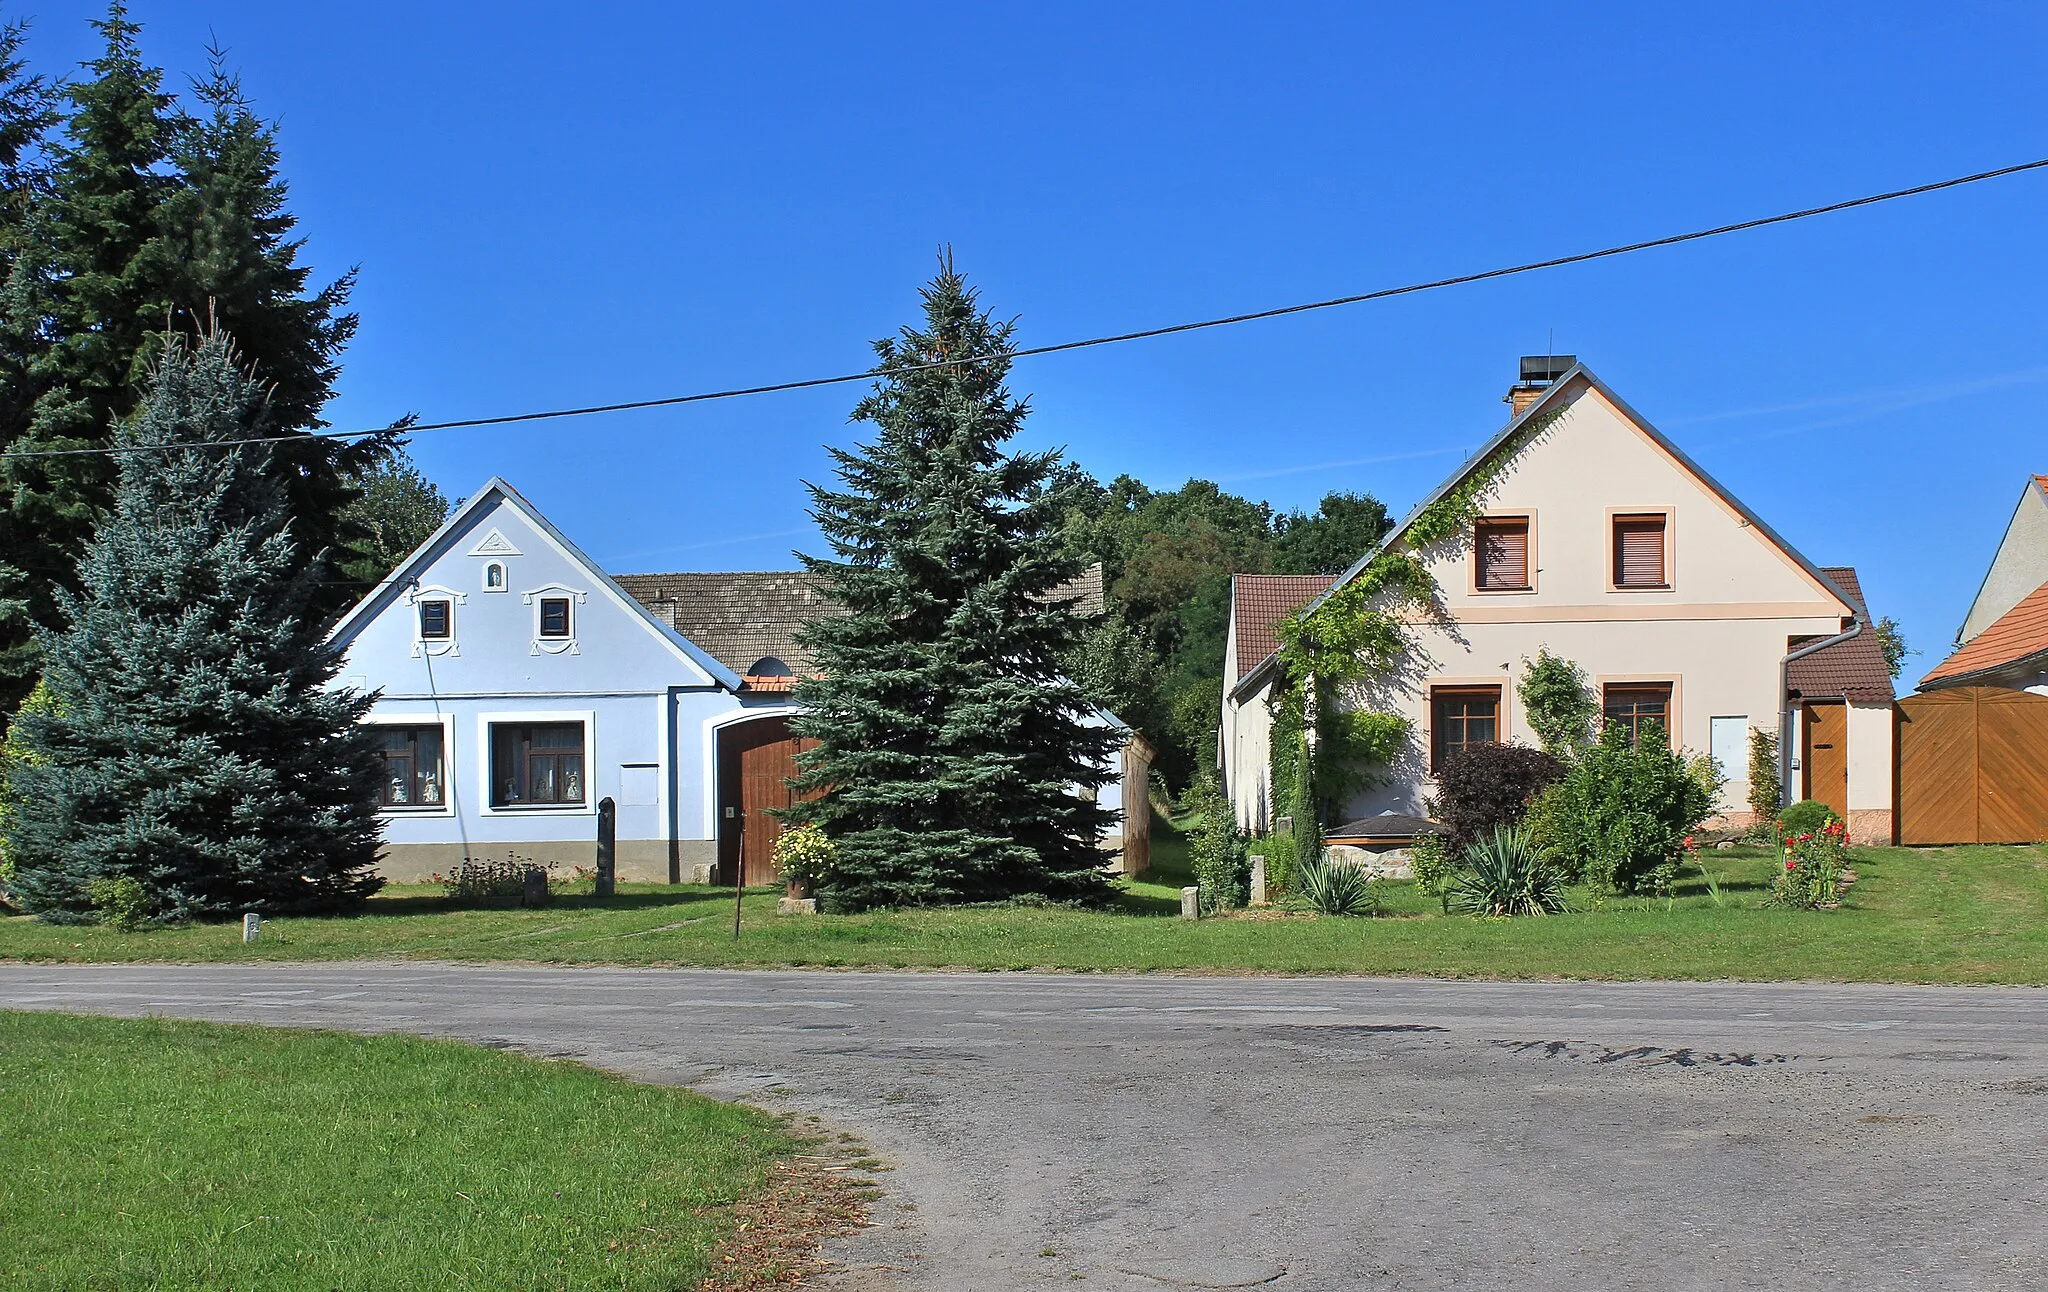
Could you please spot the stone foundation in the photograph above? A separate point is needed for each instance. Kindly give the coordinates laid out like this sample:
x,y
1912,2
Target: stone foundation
x,y
640,861
1870,827
1379,861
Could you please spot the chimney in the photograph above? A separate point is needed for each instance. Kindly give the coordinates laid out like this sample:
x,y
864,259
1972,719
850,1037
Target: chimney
x,y
1539,372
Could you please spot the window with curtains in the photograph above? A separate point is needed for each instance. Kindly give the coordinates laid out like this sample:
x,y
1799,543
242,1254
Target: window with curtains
x,y
1643,709
415,775
1461,716
1500,546
537,765
1640,559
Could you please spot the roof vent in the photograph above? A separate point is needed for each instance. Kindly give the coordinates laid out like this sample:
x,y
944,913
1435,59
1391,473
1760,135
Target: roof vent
x,y
1539,372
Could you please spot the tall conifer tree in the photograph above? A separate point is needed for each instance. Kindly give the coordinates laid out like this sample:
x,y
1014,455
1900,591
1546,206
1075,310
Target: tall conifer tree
x,y
956,761
193,741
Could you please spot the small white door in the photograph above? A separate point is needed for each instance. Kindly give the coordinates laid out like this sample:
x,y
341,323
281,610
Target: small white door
x,y
1731,753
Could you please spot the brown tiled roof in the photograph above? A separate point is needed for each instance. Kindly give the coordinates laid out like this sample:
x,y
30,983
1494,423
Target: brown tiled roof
x,y
1258,602
740,618
1854,669
2018,633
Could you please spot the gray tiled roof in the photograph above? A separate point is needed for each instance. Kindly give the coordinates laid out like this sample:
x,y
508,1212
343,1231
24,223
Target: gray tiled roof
x,y
740,617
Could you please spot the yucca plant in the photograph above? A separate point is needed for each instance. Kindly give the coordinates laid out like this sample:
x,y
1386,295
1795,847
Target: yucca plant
x,y
1336,888
1503,875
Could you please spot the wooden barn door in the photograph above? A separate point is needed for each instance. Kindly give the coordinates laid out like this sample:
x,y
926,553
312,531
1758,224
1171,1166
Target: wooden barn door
x,y
1973,767
756,761
1825,757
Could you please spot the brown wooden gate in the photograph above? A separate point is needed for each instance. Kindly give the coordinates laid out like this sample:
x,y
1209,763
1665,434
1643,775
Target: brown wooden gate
x,y
755,763
1973,766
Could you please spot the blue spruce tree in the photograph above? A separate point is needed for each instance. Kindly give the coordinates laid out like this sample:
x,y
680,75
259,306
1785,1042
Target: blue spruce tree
x,y
194,742
955,760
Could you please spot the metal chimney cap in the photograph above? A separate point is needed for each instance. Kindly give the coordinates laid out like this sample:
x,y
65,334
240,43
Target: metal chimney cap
x,y
1542,369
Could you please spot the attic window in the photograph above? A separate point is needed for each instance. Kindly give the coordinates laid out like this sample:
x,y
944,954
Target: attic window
x,y
769,666
437,621
554,617
1639,557
1501,549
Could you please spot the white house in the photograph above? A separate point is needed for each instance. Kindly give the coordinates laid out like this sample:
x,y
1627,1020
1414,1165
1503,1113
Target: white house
x,y
519,686
2004,638
1600,540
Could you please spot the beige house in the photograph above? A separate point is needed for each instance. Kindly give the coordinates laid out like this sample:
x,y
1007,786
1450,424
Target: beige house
x,y
1603,542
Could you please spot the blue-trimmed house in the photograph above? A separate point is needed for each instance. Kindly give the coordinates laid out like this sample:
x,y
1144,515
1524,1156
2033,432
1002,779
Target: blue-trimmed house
x,y
519,685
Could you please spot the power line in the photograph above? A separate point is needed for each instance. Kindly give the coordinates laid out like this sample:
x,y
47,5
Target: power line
x,y
1090,342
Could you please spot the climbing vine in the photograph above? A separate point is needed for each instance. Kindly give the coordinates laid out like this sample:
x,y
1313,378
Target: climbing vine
x,y
1359,634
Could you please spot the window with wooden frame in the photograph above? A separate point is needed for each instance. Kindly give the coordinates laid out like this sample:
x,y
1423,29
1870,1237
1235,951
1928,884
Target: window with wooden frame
x,y
1460,717
537,765
554,617
1640,558
1500,552
437,620
415,766
1640,708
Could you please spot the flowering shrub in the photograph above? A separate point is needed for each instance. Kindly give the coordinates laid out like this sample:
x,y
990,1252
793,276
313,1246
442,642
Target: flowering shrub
x,y
804,853
1814,861
481,881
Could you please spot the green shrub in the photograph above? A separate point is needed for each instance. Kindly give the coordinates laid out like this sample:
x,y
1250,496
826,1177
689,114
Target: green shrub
x,y
1560,706
1431,856
1337,888
120,902
1216,849
1803,817
1278,850
1489,786
1504,875
1814,861
483,881
14,752
1763,774
1619,817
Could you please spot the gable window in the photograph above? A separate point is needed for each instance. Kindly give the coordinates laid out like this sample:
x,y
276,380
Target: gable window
x,y
554,617
1460,717
494,576
1643,709
1500,549
1639,551
437,621
415,769
537,764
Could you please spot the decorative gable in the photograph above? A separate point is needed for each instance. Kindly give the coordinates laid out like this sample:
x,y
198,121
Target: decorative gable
x,y
494,544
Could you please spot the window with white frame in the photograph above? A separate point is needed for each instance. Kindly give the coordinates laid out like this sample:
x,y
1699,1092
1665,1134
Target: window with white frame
x,y
537,764
415,766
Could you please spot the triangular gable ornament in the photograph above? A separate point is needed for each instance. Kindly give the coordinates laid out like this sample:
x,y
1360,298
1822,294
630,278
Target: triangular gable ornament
x,y
494,544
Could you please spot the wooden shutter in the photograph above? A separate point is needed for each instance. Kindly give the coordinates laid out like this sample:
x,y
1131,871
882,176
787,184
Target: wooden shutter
x,y
1503,553
1639,551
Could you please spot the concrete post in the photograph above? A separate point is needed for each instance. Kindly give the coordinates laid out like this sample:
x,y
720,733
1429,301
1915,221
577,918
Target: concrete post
x,y
607,847
533,888
1191,903
252,925
1259,897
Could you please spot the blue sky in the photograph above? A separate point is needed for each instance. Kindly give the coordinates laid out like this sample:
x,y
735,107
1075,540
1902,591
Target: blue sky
x,y
596,202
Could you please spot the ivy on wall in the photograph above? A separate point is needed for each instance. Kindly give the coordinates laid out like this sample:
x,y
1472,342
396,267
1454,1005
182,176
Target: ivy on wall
x,y
1358,634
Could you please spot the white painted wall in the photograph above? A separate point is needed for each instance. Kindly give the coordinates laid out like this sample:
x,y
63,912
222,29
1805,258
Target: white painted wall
x,y
2019,567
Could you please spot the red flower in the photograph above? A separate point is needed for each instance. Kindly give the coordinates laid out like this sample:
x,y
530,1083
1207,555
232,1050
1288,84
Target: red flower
x,y
1689,844
1791,864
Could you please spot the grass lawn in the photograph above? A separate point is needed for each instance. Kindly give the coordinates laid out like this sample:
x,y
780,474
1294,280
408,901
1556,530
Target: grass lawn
x,y
1969,914
145,1153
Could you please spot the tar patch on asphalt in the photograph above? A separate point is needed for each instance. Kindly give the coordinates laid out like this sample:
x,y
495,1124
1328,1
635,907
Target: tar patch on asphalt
x,y
1649,1056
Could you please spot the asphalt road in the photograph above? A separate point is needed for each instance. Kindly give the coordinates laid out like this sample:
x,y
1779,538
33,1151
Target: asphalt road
x,y
1152,1132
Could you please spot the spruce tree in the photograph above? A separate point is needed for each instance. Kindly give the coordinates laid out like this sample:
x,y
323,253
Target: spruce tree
x,y
194,742
954,757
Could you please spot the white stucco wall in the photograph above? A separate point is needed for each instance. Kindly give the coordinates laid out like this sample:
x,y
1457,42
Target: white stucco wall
x,y
2017,569
1247,730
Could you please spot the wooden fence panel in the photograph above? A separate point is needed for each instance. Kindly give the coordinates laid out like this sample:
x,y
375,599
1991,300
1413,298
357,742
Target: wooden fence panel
x,y
1938,768
1973,767
2012,767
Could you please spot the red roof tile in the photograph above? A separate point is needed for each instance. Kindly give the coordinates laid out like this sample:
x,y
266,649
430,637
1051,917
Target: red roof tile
x,y
2013,636
1258,602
